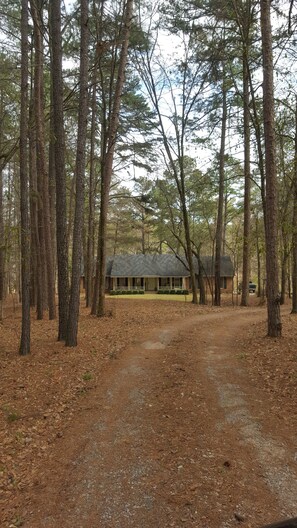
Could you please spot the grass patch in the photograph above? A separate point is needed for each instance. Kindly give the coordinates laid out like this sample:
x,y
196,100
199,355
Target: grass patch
x,y
11,414
158,297
18,521
87,376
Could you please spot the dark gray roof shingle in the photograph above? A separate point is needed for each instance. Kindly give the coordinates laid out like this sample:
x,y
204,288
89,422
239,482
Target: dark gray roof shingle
x,y
148,266
161,266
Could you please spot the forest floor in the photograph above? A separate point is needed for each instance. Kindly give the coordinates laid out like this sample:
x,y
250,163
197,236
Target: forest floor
x,y
165,415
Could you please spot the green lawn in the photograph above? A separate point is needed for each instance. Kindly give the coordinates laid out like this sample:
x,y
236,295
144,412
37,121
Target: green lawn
x,y
155,297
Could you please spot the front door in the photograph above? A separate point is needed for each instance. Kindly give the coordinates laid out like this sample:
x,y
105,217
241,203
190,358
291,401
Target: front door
x,y
151,284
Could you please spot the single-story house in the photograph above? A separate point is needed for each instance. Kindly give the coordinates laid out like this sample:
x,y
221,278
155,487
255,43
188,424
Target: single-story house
x,y
155,272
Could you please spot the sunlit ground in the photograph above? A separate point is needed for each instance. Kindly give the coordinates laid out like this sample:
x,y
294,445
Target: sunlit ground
x,y
169,297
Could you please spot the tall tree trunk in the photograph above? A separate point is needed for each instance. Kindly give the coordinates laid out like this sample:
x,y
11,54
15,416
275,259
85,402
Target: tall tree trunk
x,y
201,277
284,271
58,128
77,251
256,121
189,250
2,241
259,267
107,162
36,10
2,247
52,170
247,183
272,286
89,268
219,230
24,348
294,236
52,193
70,219
32,198
285,241
37,276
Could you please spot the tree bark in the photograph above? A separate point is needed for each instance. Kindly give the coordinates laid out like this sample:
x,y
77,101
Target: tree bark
x,y
259,266
77,250
188,243
294,236
247,182
36,10
59,148
201,278
2,248
219,229
37,276
24,348
272,286
2,241
89,268
107,162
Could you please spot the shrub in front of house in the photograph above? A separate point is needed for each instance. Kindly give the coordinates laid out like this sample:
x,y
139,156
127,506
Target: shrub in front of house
x,y
141,292
174,292
126,292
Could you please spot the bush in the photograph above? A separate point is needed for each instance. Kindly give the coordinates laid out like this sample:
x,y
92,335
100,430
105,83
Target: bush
x,y
126,292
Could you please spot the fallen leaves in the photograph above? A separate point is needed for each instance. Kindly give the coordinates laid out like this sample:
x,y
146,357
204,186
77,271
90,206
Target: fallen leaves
x,y
41,394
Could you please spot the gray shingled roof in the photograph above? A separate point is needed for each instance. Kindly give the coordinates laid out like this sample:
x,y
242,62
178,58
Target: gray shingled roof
x,y
227,269
161,266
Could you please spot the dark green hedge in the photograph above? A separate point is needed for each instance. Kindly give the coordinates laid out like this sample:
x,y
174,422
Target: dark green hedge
x,y
126,292
174,292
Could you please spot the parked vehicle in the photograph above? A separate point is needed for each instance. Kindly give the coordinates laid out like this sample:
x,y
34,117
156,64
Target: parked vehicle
x,y
252,287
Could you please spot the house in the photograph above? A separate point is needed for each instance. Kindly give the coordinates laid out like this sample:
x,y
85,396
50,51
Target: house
x,y
156,272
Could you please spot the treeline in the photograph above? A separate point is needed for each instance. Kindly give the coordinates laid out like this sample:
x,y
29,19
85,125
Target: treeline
x,y
145,126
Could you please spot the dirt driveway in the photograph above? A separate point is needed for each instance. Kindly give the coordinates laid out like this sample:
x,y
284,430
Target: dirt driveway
x,y
176,435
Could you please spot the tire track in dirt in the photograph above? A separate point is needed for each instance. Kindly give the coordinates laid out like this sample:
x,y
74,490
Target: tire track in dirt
x,y
275,456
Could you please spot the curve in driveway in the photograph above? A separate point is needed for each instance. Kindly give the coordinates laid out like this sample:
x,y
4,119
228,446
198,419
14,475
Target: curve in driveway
x,y
176,435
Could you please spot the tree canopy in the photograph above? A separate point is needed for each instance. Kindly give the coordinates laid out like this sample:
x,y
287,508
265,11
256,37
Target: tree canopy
x,y
145,127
